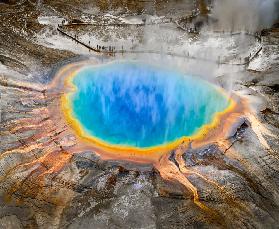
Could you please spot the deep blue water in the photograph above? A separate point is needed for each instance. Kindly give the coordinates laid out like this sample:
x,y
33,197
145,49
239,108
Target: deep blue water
x,y
135,104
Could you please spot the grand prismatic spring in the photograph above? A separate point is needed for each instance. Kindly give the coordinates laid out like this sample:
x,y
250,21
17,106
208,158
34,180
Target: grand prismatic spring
x,y
139,106
139,114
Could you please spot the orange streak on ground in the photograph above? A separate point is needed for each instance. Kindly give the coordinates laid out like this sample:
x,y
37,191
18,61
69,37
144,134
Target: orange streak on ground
x,y
52,162
20,150
179,158
169,171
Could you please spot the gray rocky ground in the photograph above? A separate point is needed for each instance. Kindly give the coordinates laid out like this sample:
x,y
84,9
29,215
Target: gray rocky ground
x,y
239,182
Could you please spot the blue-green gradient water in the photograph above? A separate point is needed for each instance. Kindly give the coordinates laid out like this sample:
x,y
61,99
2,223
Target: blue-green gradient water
x,y
135,104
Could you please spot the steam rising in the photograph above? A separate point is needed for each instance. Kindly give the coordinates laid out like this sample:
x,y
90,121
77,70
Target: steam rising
x,y
248,15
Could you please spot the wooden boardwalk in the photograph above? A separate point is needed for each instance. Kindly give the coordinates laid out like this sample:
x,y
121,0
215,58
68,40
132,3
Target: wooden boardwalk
x,y
122,51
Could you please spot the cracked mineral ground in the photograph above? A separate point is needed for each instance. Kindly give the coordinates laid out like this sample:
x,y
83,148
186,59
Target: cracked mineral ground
x,y
139,114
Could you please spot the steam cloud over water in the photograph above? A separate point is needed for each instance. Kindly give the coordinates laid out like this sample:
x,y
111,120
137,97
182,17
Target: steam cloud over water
x,y
134,104
249,15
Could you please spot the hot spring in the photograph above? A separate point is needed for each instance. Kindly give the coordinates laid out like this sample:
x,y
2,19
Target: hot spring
x,y
136,105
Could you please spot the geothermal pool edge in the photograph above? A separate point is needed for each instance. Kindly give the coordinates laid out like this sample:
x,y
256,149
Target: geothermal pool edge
x,y
147,152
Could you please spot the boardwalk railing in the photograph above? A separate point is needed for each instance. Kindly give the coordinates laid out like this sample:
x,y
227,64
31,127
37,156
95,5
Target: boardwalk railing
x,y
111,52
